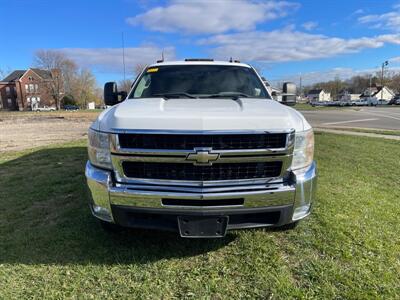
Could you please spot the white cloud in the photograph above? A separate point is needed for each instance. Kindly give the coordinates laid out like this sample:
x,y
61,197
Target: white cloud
x,y
211,17
327,75
395,59
289,45
358,12
309,25
110,59
390,20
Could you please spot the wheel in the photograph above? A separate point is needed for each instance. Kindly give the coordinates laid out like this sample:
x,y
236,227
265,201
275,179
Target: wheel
x,y
289,226
110,227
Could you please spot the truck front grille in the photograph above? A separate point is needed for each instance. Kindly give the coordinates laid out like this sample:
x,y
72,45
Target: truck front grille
x,y
186,171
215,141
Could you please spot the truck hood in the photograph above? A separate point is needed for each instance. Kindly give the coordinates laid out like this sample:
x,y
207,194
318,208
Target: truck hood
x,y
200,114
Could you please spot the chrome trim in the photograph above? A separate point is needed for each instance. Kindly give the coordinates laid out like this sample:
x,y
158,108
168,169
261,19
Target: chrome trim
x,y
142,198
201,189
106,192
116,149
184,183
306,186
119,155
99,181
199,132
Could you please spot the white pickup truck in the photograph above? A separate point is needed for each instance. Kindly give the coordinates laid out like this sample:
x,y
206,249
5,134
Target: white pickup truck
x,y
199,147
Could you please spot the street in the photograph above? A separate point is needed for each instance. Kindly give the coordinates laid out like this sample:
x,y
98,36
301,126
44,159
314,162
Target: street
x,y
364,117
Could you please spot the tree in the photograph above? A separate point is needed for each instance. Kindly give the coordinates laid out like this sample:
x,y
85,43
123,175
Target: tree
x,y
62,70
125,85
139,68
83,87
4,73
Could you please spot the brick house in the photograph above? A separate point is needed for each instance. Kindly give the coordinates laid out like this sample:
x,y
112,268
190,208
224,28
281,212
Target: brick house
x,y
27,89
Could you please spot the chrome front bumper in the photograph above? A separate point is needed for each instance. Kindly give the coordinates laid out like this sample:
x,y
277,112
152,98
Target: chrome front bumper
x,y
293,198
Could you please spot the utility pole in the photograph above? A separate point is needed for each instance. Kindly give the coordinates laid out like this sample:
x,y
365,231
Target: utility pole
x,y
123,54
384,64
300,87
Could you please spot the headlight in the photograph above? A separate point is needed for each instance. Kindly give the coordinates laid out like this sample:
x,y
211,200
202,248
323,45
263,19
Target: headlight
x,y
303,149
99,149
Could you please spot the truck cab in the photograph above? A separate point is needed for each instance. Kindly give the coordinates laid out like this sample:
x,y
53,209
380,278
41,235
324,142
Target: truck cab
x,y
199,147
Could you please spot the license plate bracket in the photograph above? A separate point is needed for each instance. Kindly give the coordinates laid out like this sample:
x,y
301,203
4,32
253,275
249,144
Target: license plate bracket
x,y
202,226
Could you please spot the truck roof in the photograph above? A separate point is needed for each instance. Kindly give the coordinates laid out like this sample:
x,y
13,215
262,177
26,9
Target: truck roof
x,y
199,62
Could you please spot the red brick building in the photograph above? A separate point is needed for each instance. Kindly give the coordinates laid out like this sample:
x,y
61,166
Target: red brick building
x,y
26,89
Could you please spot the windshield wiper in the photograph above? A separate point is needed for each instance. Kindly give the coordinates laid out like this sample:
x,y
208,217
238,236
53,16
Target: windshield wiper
x,y
174,95
233,95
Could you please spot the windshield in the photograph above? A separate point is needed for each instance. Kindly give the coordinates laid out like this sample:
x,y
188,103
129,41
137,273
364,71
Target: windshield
x,y
199,81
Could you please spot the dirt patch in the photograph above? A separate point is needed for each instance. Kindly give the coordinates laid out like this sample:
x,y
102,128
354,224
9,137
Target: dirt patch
x,y
24,130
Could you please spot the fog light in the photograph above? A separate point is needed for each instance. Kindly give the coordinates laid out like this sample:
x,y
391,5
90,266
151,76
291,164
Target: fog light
x,y
101,213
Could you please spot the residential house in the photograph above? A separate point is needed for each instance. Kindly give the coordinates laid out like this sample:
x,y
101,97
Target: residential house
x,y
27,89
318,95
346,95
378,92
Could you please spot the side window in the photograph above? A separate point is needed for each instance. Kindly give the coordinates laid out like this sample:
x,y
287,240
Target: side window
x,y
143,84
26,88
36,88
31,88
8,90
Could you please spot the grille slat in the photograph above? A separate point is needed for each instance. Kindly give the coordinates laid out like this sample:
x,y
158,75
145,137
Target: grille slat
x,y
185,171
190,141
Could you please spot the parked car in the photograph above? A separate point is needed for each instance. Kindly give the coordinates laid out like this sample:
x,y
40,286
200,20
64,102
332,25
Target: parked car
x,y
383,102
71,107
193,150
395,100
319,103
45,108
370,101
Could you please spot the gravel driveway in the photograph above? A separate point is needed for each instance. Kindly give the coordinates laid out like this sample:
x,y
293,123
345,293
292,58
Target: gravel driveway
x,y
24,130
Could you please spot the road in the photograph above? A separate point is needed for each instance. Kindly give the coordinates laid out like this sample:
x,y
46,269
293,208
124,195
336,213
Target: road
x,y
365,117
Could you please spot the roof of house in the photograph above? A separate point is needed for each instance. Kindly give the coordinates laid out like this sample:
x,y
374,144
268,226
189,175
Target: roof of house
x,y
17,74
315,91
373,91
42,73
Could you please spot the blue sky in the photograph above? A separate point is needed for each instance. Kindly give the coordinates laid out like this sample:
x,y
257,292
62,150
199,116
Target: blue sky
x,y
318,39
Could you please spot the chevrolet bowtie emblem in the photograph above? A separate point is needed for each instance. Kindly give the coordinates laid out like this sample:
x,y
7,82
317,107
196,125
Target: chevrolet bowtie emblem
x,y
202,156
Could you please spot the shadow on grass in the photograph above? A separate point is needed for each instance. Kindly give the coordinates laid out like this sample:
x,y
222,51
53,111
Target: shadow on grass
x,y
44,218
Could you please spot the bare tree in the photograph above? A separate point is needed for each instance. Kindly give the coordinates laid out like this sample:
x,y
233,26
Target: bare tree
x,y
125,85
61,69
84,87
139,68
4,73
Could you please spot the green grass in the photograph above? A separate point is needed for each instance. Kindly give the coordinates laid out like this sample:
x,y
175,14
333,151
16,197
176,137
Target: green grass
x,y
51,247
368,130
304,106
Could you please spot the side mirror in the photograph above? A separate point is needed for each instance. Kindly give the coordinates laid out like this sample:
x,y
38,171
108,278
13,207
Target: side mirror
x,y
289,93
111,94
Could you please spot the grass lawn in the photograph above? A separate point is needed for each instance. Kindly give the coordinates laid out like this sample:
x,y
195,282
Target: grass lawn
x,y
368,130
349,248
305,106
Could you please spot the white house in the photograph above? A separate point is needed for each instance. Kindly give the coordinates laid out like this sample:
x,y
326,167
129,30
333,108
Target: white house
x,y
379,92
346,96
318,95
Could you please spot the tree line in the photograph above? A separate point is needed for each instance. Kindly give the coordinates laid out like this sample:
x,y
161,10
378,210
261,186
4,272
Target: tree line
x,y
70,84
